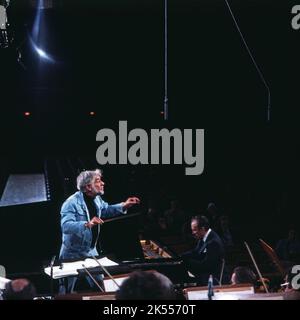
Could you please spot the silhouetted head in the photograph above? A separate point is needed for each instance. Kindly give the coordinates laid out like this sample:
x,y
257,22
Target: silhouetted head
x,y
243,275
19,289
292,234
212,210
146,285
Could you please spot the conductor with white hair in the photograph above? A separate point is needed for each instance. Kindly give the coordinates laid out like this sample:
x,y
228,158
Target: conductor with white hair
x,y
82,214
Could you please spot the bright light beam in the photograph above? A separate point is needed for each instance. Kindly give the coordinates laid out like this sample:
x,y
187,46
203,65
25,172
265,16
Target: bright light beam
x,y
35,38
42,54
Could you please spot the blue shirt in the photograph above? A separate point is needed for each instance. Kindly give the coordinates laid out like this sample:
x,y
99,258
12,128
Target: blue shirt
x,y
76,237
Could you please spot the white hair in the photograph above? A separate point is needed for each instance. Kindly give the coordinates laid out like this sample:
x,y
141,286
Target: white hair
x,y
86,177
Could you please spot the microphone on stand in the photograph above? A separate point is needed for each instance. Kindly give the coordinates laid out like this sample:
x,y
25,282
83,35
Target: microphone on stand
x,y
52,261
51,270
210,292
106,272
94,280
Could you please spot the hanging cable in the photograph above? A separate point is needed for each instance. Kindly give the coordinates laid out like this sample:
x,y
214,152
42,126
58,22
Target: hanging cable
x,y
254,62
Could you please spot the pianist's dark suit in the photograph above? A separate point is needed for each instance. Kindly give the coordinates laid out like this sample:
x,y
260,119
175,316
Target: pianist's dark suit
x,y
206,258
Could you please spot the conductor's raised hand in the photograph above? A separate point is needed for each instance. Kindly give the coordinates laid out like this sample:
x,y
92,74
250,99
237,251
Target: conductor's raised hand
x,y
131,201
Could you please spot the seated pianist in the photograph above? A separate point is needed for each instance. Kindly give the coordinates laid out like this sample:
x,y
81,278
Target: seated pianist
x,y
207,257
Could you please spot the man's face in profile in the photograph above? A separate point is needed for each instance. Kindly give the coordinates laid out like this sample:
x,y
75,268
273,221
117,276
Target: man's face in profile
x,y
198,233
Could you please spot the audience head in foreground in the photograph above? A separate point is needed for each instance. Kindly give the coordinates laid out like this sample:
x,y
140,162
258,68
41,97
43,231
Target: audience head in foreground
x,y
146,285
19,289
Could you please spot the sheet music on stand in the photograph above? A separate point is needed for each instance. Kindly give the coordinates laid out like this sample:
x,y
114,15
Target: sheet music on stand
x,y
109,284
70,268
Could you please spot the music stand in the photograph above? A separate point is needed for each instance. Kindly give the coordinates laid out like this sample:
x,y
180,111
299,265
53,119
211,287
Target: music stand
x,y
273,256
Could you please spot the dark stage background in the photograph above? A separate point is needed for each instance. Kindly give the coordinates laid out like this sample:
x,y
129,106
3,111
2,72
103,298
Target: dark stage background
x,y
109,59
